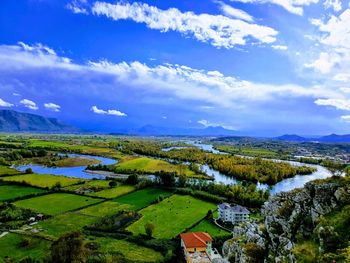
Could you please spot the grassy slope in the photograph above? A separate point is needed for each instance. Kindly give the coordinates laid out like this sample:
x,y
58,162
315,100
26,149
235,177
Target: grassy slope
x,y
131,251
211,228
104,209
13,191
9,246
89,183
54,204
5,170
172,216
42,180
142,198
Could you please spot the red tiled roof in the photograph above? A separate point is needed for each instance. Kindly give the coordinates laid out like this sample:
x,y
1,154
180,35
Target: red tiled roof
x,y
195,239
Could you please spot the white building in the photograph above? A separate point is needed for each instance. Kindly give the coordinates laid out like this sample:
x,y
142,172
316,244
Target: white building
x,y
234,214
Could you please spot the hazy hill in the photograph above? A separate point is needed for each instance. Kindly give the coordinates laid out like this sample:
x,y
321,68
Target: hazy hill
x,y
13,121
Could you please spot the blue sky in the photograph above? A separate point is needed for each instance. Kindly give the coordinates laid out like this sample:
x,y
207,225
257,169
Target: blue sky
x,y
261,67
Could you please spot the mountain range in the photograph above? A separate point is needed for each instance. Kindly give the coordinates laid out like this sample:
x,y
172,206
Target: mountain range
x,y
14,121
332,138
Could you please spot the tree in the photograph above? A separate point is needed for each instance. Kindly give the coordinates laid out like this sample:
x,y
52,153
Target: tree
x,y
69,249
29,171
335,168
112,184
149,228
132,179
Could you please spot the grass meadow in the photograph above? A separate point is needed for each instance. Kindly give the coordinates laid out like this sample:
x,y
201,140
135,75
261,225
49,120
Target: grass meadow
x,y
8,192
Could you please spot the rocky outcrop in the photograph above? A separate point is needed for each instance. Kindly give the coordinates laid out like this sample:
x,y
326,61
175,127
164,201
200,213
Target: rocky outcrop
x,y
286,216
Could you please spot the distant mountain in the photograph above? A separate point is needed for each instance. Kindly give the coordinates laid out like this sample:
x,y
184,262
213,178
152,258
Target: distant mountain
x,y
150,130
292,138
14,121
334,138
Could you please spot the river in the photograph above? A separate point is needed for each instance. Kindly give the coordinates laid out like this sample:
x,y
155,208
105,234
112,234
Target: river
x,y
285,185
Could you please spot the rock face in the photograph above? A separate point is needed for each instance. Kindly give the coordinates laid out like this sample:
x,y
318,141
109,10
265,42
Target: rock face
x,y
285,216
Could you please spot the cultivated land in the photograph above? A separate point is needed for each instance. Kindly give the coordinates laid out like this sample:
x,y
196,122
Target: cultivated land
x,y
42,180
8,192
104,209
179,211
99,184
130,250
57,203
150,165
10,246
211,228
142,198
115,192
5,170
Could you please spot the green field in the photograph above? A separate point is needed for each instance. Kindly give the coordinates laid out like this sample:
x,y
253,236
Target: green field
x,y
131,251
142,198
42,180
57,203
8,192
104,209
10,246
211,228
5,170
149,165
115,192
64,223
89,183
172,216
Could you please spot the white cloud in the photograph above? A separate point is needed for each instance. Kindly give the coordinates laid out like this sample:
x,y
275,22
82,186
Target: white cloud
x,y
207,123
16,94
5,103
230,11
220,31
207,87
78,6
324,63
340,104
29,104
345,118
279,47
292,6
334,4
107,112
52,106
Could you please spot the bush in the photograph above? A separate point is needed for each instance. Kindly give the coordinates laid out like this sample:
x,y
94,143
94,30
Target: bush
x,y
29,171
149,228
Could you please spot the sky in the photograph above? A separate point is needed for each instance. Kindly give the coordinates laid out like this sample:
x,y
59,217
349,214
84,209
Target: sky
x,y
259,67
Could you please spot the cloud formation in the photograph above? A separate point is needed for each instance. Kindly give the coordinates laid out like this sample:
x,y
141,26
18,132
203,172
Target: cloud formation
x,y
29,104
232,12
292,6
52,106
118,113
5,103
340,104
218,30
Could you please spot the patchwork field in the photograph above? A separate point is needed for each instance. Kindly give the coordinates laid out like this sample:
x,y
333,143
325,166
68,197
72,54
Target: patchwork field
x,y
149,165
64,223
88,184
181,210
57,203
8,192
131,251
42,180
10,246
115,192
211,228
104,209
142,198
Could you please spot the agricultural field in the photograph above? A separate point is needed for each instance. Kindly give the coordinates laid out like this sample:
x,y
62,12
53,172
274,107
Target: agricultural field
x,y
11,247
8,192
131,251
209,227
142,198
181,210
114,192
104,209
150,165
42,180
99,184
56,203
64,223
5,170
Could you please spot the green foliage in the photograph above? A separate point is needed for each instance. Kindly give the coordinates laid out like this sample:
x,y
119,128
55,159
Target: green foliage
x,y
149,229
254,252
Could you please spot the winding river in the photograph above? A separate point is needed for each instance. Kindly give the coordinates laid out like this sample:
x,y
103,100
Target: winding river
x,y
80,172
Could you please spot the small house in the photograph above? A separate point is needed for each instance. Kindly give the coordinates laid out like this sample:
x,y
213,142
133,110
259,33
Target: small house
x,y
234,214
197,247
